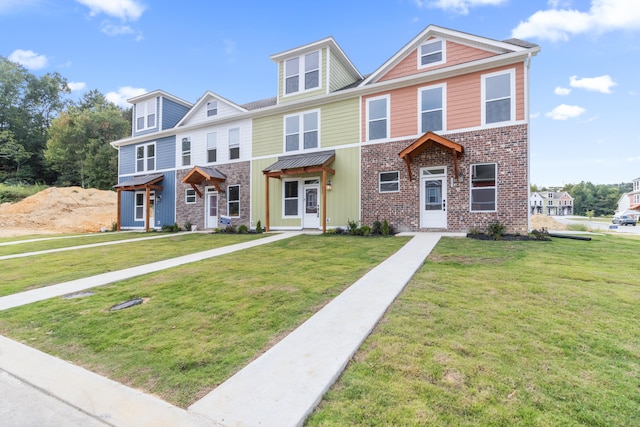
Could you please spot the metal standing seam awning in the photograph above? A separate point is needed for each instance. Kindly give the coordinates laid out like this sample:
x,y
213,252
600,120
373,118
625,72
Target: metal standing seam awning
x,y
199,174
299,164
144,182
427,140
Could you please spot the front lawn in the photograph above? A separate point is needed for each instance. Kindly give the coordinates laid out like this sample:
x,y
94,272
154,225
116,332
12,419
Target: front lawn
x,y
201,322
494,333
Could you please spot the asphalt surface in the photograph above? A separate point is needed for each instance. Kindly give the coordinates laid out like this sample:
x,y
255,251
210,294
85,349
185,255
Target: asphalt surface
x,y
598,225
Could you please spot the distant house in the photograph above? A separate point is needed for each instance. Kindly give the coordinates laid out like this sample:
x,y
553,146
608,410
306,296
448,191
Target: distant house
x,y
551,203
631,200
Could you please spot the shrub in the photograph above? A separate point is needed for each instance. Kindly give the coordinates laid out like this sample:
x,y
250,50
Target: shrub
x,y
187,225
541,234
259,228
353,227
365,230
243,229
231,229
377,227
171,228
386,229
495,229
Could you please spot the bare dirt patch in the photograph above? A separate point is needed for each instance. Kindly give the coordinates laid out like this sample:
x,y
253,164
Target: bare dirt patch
x,y
59,210
539,221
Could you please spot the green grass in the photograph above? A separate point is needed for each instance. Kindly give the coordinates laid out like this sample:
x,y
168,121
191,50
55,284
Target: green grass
x,y
201,322
501,334
67,241
21,274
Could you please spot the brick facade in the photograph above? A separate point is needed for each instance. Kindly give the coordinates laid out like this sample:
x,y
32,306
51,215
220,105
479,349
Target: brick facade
x,y
506,146
237,174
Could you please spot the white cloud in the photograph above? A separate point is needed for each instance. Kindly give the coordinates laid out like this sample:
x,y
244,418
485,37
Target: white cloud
x,y
562,91
601,84
29,59
120,97
459,6
127,10
534,115
564,112
559,24
77,85
115,30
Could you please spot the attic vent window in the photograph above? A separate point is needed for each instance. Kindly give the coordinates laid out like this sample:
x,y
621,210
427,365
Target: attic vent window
x,y
431,53
212,108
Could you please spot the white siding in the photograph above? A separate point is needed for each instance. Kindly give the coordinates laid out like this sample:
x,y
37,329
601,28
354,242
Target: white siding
x,y
199,115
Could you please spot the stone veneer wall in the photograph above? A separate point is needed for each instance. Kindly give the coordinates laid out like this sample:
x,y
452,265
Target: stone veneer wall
x,y
237,174
507,146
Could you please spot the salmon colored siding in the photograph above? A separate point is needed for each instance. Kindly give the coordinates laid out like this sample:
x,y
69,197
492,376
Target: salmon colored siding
x,y
463,103
455,54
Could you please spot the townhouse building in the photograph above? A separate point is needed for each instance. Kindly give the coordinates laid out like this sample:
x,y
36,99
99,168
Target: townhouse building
x,y
437,138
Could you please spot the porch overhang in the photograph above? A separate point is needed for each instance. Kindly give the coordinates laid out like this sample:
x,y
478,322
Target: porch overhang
x,y
199,175
299,164
427,140
144,182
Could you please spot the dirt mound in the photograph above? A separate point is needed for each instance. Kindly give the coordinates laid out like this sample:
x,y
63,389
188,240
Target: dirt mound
x,y
60,210
539,221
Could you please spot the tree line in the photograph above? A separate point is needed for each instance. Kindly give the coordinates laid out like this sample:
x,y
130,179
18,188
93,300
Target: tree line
x,y
47,138
601,199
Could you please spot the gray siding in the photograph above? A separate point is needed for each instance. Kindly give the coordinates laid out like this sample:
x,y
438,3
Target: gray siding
x,y
172,112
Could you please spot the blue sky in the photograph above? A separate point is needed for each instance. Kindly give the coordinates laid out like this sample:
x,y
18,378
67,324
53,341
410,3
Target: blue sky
x,y
585,91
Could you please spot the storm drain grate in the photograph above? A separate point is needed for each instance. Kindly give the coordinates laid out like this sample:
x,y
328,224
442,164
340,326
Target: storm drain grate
x,y
127,304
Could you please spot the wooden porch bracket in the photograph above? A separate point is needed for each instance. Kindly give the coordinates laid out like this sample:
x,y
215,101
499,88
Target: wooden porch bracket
x,y
427,140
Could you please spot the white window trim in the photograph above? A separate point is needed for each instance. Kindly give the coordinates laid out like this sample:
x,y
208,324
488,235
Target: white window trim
x,y
146,113
483,92
300,184
380,182
145,158
236,144
207,148
214,109
135,205
300,117
184,153
495,165
301,74
187,196
444,105
229,201
388,118
443,50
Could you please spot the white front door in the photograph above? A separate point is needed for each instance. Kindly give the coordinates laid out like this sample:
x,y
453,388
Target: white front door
x,y
211,208
311,210
152,209
433,197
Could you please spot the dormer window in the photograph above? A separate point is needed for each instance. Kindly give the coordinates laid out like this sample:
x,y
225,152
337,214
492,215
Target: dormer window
x,y
212,108
146,114
307,66
431,53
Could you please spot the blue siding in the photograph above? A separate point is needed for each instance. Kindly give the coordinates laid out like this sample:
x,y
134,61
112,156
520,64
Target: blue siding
x,y
166,152
127,160
172,112
165,207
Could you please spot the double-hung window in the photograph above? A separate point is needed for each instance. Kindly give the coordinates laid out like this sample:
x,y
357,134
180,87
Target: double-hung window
x,y
139,206
233,200
307,66
212,147
291,198
389,182
431,53
378,118
212,108
146,157
146,114
432,112
301,131
190,196
234,143
186,151
498,97
483,187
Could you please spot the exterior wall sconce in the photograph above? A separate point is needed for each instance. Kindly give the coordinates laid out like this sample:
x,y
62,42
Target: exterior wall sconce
x,y
460,177
159,198
329,186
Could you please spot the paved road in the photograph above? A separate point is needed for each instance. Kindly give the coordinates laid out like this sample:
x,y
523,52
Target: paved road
x,y
597,225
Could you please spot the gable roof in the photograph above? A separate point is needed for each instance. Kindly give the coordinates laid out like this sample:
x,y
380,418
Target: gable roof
x,y
161,93
326,42
206,97
499,47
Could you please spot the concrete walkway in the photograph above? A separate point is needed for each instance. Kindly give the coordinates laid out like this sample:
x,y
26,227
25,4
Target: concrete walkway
x,y
280,388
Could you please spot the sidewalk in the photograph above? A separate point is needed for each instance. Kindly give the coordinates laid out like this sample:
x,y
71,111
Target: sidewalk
x,y
280,388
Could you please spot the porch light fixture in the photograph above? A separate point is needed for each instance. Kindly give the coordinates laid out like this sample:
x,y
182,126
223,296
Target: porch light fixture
x,y
329,186
460,176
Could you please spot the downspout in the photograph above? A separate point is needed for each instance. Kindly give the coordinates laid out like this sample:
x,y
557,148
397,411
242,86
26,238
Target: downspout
x,y
528,117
